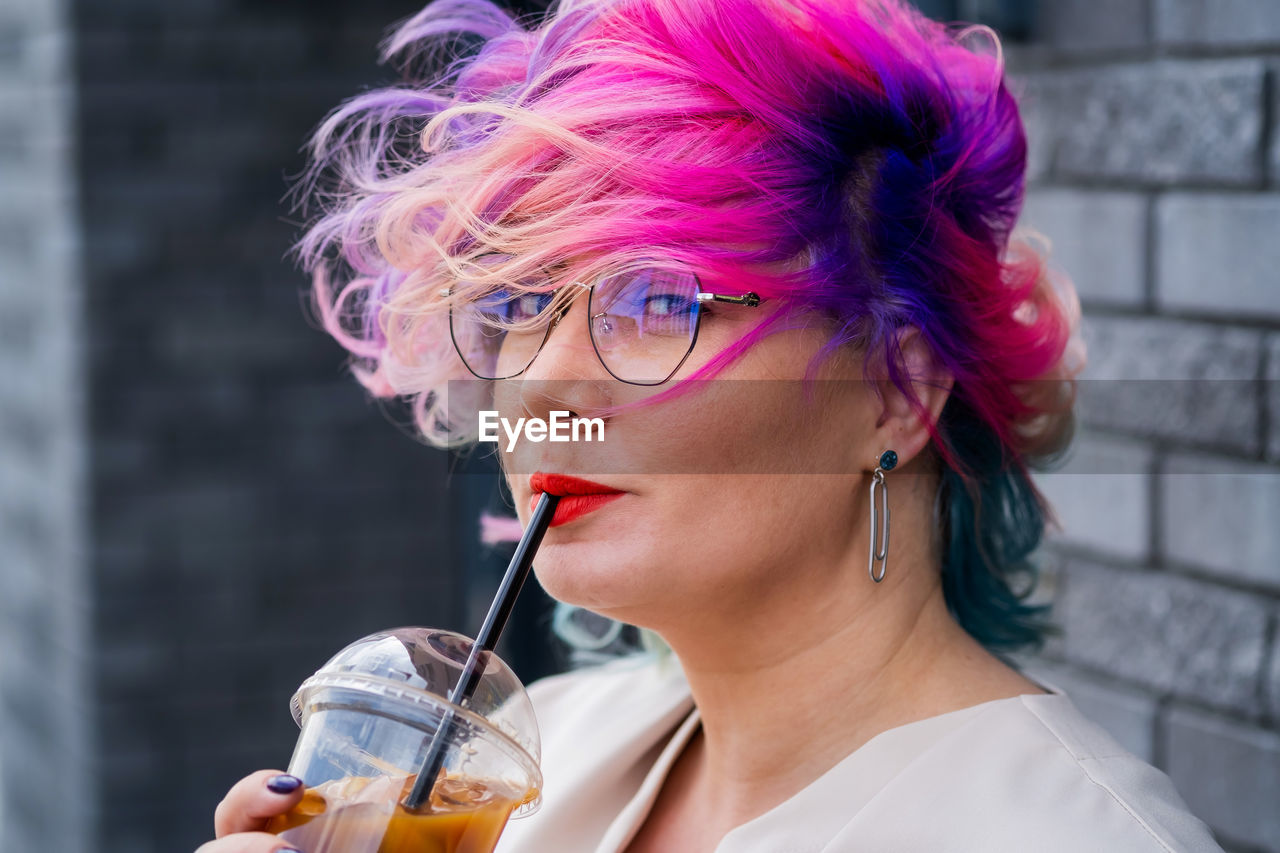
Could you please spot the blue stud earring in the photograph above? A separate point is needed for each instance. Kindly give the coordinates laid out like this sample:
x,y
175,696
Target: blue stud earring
x,y
879,551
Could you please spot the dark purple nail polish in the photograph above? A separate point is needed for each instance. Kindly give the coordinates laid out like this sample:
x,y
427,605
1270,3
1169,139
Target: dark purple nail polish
x,y
283,784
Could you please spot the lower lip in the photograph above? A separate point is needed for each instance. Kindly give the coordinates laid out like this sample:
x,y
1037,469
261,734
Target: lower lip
x,y
573,507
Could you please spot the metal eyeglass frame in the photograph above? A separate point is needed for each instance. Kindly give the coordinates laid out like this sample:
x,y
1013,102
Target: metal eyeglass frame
x,y
749,299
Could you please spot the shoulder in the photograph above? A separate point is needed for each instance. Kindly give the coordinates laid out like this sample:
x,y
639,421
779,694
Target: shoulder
x,y
634,681
1034,767
600,728
609,702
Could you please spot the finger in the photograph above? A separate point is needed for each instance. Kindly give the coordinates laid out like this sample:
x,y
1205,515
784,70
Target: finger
x,y
254,800
248,842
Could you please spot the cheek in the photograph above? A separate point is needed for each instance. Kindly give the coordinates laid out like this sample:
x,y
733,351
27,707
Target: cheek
x,y
605,576
764,427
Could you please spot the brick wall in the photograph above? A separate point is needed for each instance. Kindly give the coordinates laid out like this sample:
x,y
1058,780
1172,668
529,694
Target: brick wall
x,y
251,513
43,711
1156,175
197,504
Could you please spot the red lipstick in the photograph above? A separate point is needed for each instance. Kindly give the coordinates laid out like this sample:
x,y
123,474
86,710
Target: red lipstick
x,y
577,497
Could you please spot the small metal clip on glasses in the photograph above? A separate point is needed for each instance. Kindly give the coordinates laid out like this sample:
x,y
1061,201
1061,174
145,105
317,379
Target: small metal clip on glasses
x,y
643,321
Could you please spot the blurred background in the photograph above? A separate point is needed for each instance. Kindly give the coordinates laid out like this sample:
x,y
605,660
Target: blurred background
x,y
198,506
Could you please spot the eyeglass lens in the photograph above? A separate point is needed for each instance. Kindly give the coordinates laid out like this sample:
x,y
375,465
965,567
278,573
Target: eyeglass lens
x,y
643,322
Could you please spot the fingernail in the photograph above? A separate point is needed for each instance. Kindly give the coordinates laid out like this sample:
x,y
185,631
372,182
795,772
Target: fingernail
x,y
288,850
284,784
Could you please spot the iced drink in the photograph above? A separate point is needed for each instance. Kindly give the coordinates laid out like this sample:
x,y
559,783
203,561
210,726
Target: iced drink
x,y
367,719
354,813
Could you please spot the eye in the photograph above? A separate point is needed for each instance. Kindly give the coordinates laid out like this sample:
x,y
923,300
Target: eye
x,y
658,305
505,308
526,306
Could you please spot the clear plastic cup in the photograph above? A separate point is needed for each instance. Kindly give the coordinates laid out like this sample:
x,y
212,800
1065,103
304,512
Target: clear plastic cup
x,y
368,717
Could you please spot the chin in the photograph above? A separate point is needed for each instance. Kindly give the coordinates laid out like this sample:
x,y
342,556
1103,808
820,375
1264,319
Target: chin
x,y
591,576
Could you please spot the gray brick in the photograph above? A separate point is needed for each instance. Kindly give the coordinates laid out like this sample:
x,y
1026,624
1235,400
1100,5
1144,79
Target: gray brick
x,y
14,140
37,15
1126,713
1164,123
1228,773
1035,95
1273,680
1098,240
17,239
1219,514
1217,254
1273,398
1165,632
1189,382
1275,127
1092,24
18,321
1102,496
13,42
217,337
45,52
1217,22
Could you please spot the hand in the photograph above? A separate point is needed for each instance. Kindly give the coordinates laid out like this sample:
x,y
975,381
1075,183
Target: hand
x,y
241,817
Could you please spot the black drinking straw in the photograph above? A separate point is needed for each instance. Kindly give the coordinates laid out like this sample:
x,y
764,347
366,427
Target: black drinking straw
x,y
490,631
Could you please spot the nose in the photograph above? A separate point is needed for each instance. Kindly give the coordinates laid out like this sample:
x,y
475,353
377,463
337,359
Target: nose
x,y
567,352
566,374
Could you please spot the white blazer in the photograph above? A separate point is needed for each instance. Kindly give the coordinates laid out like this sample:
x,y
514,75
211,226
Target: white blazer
x,y
1025,773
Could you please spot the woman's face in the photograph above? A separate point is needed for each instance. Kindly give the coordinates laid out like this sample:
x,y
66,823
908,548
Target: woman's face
x,y
712,513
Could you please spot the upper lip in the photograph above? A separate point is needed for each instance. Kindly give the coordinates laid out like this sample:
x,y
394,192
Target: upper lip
x,y
564,485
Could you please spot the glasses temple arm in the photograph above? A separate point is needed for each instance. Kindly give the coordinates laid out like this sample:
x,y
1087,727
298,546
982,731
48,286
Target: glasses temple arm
x,y
751,300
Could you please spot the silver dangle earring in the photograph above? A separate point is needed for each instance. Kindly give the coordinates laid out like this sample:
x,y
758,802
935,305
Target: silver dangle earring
x,y
880,507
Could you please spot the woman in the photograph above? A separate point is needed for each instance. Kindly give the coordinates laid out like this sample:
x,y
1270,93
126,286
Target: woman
x,y
809,205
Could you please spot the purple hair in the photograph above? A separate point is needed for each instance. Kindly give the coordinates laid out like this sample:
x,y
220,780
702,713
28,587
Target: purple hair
x,y
875,153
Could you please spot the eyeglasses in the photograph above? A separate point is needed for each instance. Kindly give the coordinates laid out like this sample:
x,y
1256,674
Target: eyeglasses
x,y
643,321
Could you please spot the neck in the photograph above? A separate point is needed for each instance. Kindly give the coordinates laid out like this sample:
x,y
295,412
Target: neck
x,y
778,711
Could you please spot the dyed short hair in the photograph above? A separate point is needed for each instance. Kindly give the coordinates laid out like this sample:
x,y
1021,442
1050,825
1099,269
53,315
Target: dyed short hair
x,y
877,154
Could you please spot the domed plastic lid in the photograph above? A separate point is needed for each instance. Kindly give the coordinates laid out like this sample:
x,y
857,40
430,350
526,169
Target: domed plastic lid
x,y
431,660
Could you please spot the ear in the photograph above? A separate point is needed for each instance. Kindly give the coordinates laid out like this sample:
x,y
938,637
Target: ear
x,y
902,426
